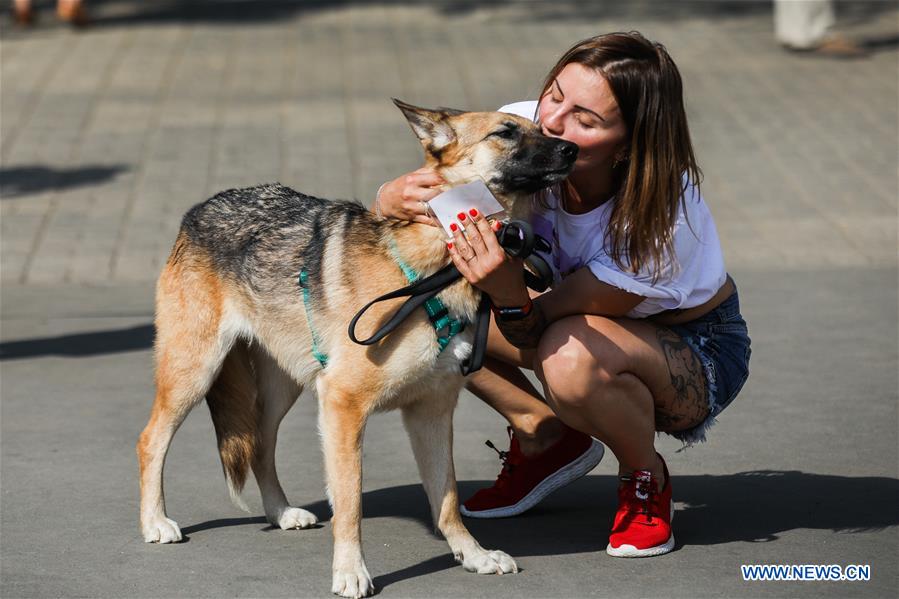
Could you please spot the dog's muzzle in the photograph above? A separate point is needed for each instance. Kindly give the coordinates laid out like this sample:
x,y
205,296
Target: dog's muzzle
x,y
549,165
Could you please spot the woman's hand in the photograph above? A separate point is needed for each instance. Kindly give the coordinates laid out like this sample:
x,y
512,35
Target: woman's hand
x,y
407,196
484,263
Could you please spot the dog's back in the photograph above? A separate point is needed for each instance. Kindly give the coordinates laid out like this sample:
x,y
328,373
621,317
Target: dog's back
x,y
263,236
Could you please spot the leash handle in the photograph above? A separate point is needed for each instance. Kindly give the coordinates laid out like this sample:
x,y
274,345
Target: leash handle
x,y
517,238
475,361
419,292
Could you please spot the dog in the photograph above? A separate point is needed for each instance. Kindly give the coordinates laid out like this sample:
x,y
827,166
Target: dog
x,y
252,306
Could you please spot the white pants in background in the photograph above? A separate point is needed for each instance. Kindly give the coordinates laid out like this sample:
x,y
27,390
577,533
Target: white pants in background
x,y
802,23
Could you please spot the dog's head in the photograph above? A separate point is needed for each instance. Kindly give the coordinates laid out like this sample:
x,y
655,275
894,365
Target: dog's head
x,y
509,153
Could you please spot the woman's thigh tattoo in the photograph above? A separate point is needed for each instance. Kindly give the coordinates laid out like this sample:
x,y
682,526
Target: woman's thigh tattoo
x,y
689,405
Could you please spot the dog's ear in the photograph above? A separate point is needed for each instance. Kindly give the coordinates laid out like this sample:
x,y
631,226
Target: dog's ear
x,y
450,111
431,126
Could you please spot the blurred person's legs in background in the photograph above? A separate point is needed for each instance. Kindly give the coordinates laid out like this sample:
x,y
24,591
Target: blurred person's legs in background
x,y
71,11
804,25
22,12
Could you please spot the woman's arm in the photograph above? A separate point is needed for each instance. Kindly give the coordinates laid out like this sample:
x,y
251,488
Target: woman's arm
x,y
582,293
482,261
406,197
579,293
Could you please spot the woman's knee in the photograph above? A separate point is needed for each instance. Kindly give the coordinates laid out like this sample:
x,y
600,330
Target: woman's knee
x,y
570,365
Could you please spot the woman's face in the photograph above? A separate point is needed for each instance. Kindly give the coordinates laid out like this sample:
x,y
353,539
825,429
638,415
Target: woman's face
x,y
580,107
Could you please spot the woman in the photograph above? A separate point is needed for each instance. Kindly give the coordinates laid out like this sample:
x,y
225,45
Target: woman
x,y
641,331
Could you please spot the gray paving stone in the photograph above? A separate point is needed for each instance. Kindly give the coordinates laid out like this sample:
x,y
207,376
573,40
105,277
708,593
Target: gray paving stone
x,y
127,124
812,435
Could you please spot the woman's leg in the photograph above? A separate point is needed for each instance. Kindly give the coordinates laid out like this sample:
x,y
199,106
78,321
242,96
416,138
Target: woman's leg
x,y
621,380
544,454
502,386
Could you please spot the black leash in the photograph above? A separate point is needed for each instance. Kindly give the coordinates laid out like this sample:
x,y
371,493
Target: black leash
x,y
517,238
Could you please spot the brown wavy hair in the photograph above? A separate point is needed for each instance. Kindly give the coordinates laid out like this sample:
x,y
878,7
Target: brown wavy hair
x,y
649,184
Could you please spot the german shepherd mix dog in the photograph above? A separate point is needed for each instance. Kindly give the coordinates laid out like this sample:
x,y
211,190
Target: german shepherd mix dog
x,y
236,326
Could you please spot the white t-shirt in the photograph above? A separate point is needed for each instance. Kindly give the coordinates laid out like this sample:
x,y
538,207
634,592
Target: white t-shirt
x,y
579,240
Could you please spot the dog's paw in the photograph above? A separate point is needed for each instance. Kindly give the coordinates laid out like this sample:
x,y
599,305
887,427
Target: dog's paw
x,y
294,517
490,562
353,583
161,530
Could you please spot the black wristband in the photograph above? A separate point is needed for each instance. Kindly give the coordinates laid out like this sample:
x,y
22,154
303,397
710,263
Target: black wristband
x,y
507,314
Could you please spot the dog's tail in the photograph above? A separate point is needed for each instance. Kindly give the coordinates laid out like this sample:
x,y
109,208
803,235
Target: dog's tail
x,y
234,406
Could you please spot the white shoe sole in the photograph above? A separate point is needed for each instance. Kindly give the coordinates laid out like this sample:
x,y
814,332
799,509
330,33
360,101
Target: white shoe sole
x,y
631,551
558,479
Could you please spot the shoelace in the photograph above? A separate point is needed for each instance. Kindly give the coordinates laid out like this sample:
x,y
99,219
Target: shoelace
x,y
506,473
642,499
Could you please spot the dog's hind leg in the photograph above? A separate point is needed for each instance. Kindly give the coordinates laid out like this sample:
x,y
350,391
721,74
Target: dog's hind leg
x,y
190,348
429,423
342,416
277,393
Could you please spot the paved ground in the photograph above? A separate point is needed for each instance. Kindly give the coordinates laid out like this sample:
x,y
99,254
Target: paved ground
x,y
108,135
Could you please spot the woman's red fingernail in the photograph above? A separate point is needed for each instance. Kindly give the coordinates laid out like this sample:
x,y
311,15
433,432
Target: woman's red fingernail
x,y
461,216
497,226
454,227
473,212
449,245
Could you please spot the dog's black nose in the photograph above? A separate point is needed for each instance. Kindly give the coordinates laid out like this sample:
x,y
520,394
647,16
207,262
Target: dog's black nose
x,y
568,150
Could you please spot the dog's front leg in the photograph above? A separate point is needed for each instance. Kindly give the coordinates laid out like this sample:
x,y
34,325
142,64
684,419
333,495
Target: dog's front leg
x,y
342,420
430,427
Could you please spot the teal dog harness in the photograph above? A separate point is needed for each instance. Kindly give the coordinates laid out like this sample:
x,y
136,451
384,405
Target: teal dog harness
x,y
445,326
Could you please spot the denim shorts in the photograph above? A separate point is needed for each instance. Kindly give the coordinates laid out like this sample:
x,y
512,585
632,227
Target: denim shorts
x,y
720,340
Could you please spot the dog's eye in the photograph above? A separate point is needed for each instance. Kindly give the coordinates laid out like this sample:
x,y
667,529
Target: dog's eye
x,y
504,133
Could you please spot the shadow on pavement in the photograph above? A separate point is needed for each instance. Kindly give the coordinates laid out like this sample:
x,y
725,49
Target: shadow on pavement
x,y
429,566
577,519
134,338
221,523
19,181
883,43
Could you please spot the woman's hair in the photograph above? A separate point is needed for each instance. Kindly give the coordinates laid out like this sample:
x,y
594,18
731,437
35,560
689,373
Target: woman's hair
x,y
649,184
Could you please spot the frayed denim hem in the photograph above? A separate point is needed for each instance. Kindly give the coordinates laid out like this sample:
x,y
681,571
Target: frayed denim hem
x,y
697,434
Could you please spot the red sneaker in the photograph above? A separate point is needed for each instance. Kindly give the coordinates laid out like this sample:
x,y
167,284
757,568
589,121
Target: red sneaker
x,y
642,525
526,481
